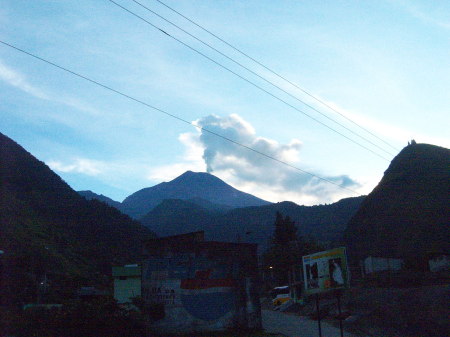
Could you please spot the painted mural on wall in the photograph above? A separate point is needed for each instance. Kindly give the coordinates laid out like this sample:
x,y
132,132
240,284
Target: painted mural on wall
x,y
203,287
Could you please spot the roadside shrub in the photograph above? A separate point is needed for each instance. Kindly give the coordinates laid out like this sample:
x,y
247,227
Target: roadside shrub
x,y
97,318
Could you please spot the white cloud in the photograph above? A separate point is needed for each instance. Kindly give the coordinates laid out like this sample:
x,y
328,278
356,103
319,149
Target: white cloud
x,y
249,171
190,161
78,165
219,153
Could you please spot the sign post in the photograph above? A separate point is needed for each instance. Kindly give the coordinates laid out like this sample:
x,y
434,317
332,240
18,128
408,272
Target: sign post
x,y
323,272
318,314
340,314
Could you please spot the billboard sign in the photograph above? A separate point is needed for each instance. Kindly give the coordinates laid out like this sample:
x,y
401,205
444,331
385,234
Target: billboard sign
x,y
325,271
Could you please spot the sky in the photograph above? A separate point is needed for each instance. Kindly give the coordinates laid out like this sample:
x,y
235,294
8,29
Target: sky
x,y
379,66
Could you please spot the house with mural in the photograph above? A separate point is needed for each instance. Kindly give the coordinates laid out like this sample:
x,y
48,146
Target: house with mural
x,y
200,285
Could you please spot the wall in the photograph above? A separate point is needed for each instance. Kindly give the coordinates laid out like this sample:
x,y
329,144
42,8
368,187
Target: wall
x,y
127,282
296,284
125,290
376,264
204,286
439,263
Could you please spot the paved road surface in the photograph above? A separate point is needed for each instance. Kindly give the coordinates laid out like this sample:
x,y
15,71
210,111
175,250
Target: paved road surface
x,y
297,326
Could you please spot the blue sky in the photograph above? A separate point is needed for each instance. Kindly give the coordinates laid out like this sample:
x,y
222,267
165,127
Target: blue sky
x,y
384,64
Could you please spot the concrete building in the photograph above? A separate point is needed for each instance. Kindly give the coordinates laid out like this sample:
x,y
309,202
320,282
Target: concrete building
x,y
439,262
296,283
377,264
199,285
127,283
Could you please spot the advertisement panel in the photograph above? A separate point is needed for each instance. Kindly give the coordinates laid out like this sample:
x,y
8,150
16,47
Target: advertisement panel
x,y
325,271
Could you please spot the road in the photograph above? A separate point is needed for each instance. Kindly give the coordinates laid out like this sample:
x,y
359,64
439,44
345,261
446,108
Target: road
x,y
297,326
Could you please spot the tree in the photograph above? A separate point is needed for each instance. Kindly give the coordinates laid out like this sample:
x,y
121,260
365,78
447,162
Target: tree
x,y
279,257
286,249
285,230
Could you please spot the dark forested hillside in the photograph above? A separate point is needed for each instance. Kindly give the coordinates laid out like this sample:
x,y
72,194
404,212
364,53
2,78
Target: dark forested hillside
x,y
49,229
407,214
326,223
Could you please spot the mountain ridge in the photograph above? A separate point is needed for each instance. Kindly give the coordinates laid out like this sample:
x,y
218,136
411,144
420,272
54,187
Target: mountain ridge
x,y
189,185
89,195
252,224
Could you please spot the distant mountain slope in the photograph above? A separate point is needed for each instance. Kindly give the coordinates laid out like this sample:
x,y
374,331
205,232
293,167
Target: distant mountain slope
x,y
177,216
252,224
48,228
89,195
407,214
189,185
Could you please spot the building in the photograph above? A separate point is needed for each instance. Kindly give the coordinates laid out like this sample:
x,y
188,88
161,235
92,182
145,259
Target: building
x,y
91,293
199,285
377,264
127,283
439,262
296,283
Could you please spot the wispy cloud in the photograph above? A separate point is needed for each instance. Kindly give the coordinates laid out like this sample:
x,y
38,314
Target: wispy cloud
x,y
391,134
16,79
430,18
124,175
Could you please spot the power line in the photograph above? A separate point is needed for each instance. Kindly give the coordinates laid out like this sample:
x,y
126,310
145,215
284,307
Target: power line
x,y
261,77
104,86
247,80
276,74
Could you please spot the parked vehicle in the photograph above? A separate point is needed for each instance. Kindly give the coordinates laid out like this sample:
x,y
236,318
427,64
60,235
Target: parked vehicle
x,y
280,295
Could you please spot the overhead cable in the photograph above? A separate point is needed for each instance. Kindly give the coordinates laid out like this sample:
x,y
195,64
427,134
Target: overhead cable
x,y
247,80
261,77
104,86
277,74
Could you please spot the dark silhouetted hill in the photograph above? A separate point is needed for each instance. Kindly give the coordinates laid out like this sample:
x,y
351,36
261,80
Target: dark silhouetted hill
x,y
407,214
49,229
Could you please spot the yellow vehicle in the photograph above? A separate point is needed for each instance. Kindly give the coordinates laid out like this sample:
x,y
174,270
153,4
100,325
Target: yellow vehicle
x,y
280,295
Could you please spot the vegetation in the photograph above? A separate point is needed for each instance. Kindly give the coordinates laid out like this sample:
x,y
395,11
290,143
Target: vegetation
x,y
407,214
52,235
325,223
286,249
98,318
417,311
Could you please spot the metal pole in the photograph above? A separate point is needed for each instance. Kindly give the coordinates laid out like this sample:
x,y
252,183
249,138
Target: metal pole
x,y
318,315
340,314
